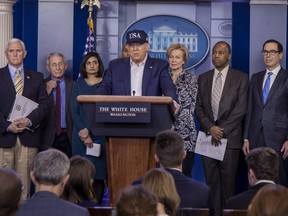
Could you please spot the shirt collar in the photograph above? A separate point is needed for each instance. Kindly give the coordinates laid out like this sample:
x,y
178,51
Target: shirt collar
x,y
275,71
61,80
141,63
223,72
13,69
265,181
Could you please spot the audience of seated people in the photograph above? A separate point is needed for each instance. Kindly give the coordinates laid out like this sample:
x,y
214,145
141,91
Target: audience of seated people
x,y
10,192
270,200
161,183
79,187
263,166
50,174
136,200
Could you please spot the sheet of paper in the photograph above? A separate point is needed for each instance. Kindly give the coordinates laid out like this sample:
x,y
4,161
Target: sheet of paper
x,y
22,107
205,147
94,151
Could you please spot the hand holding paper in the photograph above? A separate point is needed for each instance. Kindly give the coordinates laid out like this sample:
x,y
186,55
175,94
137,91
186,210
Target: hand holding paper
x,y
205,147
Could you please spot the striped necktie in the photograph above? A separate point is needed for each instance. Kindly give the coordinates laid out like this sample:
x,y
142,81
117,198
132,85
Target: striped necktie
x,y
18,83
216,95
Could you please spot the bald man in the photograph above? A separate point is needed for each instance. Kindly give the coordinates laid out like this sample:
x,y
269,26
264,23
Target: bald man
x,y
10,192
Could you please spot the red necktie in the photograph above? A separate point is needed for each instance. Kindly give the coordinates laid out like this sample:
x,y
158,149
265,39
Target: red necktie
x,y
58,109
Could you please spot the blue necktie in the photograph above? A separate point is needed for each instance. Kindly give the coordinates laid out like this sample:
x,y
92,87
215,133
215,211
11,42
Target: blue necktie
x,y
266,87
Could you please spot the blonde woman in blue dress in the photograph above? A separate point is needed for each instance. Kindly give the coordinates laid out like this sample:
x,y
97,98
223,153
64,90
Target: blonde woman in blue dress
x,y
186,88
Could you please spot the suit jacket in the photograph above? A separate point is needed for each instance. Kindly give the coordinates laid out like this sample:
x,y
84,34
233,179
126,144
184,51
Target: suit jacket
x,y
272,116
193,194
232,106
34,89
45,203
242,200
48,128
156,79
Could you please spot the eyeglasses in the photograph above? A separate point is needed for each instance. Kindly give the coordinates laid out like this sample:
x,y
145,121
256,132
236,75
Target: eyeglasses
x,y
271,52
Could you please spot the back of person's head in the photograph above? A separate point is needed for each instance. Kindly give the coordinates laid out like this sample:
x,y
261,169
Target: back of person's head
x,y
136,201
271,200
170,149
264,163
80,183
161,183
10,192
50,167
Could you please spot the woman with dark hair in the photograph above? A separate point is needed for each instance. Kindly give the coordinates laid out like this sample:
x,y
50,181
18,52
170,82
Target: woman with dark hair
x,y
79,187
91,69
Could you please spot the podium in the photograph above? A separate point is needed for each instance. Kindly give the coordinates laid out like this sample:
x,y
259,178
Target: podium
x,y
130,124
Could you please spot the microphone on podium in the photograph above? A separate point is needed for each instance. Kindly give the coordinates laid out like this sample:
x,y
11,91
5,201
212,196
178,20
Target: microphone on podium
x,y
133,93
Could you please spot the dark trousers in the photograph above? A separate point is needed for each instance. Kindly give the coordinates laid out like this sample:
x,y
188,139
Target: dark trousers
x,y
220,177
99,189
62,143
187,164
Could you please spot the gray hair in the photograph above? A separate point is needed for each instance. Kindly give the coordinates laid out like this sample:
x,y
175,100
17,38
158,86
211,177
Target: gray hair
x,y
14,40
55,54
50,167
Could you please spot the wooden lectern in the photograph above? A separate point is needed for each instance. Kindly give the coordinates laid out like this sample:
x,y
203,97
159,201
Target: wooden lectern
x,y
130,124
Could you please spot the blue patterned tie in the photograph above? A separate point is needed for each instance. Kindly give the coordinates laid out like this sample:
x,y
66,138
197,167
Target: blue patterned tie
x,y
266,87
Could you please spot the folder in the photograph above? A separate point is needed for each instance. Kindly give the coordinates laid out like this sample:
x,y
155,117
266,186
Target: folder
x,y
22,107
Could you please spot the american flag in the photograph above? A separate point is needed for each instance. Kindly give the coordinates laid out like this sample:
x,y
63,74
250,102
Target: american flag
x,y
90,40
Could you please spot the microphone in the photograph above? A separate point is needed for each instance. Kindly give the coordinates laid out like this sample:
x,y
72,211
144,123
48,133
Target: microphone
x,y
133,93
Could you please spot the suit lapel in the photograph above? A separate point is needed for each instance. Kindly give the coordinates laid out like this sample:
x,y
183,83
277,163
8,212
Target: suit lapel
x,y
226,87
259,85
209,89
126,76
27,82
68,87
281,77
7,78
148,68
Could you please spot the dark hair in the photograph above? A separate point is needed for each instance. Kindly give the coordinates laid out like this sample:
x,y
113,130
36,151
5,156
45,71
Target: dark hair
x,y
169,148
136,201
226,44
82,68
264,162
79,185
279,45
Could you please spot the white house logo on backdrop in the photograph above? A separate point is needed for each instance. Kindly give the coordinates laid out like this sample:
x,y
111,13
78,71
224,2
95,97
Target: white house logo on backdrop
x,y
164,30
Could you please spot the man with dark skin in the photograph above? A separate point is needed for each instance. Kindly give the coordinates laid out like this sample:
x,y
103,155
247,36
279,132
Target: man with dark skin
x,y
221,106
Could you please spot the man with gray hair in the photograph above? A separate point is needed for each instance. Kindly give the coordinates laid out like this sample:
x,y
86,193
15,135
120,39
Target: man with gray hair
x,y
57,126
50,174
20,138
263,169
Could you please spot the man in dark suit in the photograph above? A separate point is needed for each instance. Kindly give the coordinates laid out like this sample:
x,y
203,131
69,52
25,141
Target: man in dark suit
x,y
138,75
61,140
20,139
170,154
266,122
50,174
222,118
263,167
